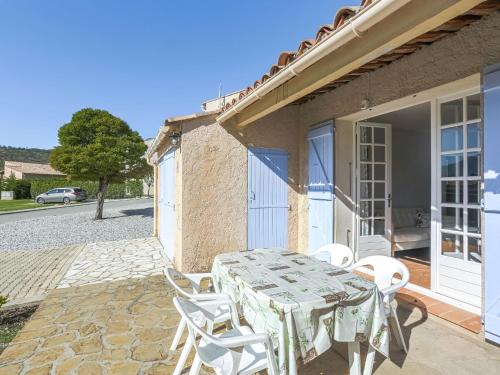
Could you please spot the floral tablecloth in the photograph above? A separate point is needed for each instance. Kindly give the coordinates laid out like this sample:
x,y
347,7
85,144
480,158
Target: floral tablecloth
x,y
302,303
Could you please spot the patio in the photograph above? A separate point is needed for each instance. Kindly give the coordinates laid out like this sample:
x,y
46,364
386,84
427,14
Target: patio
x,y
126,327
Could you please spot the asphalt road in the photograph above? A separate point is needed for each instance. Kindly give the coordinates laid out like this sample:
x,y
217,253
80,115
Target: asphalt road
x,y
68,210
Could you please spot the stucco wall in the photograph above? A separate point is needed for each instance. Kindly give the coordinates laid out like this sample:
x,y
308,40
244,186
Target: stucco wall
x,y
214,186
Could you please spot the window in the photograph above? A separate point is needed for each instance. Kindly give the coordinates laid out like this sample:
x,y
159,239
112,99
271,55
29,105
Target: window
x,y
461,162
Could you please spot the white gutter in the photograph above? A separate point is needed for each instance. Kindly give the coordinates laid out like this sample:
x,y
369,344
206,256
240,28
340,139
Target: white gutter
x,y
355,28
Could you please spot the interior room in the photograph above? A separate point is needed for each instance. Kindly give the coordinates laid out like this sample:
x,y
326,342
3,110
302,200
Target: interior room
x,y
411,188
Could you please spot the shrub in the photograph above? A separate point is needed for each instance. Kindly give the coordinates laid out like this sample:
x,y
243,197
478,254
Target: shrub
x,y
3,300
134,188
114,190
21,188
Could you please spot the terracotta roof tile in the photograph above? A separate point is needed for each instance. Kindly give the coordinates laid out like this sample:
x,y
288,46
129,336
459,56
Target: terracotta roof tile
x,y
32,168
285,58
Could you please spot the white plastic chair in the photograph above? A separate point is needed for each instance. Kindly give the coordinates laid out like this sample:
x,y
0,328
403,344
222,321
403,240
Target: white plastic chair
x,y
384,269
340,255
219,312
238,351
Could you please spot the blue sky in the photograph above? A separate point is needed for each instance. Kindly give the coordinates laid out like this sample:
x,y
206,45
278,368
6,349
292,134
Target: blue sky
x,y
143,61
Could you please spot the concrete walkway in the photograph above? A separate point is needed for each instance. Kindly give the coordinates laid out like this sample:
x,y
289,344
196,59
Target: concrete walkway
x,y
125,327
26,276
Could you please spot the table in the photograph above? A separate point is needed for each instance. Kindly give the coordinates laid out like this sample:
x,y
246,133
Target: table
x,y
304,304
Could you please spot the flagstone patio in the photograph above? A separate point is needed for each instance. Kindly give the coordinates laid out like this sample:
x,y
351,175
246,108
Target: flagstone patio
x,y
126,327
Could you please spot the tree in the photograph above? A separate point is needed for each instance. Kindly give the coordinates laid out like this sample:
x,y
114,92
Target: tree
x,y
95,145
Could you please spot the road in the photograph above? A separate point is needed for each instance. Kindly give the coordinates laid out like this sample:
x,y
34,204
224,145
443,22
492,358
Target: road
x,y
68,210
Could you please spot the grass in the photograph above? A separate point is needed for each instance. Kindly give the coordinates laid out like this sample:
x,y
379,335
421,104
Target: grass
x,y
12,321
20,204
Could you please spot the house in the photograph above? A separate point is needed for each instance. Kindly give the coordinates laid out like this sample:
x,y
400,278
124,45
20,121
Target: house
x,y
22,171
382,133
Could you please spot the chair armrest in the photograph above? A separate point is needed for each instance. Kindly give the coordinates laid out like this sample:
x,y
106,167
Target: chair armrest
x,y
217,300
390,290
197,277
235,342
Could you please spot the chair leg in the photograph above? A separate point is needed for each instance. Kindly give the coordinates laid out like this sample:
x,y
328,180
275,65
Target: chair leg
x,y
178,335
396,330
354,358
183,357
370,360
196,366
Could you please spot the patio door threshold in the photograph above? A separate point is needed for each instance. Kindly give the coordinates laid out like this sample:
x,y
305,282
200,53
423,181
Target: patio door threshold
x,y
432,294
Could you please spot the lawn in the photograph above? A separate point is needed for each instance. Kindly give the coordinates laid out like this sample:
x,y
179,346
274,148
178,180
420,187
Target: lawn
x,y
19,204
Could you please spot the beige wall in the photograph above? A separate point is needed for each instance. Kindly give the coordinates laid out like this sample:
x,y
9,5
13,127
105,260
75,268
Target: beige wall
x,y
214,185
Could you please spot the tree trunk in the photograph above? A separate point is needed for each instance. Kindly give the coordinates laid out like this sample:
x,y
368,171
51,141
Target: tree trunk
x,y
101,193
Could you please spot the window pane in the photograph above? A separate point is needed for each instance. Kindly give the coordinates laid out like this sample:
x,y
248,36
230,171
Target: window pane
x,y
474,187
452,192
379,135
452,139
365,171
452,218
452,165
379,170
473,107
379,208
379,153
473,163
365,189
451,245
452,112
366,153
364,228
366,209
366,134
379,190
474,220
379,226
475,250
473,138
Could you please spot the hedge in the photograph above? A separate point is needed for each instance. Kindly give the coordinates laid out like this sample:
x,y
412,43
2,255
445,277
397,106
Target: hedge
x,y
21,188
114,191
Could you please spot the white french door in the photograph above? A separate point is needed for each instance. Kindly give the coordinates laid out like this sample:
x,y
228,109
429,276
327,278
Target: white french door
x,y
459,143
373,189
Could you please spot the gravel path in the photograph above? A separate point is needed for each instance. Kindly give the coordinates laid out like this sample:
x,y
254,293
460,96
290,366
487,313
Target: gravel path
x,y
69,229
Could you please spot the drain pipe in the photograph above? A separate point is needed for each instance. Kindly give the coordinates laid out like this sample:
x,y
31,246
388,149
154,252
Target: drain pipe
x,y
355,28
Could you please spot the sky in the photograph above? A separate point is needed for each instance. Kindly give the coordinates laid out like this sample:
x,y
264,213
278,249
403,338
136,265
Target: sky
x,y
143,61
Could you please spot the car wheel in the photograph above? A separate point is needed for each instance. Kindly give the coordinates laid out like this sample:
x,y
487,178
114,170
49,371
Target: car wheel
x,y
66,200
40,201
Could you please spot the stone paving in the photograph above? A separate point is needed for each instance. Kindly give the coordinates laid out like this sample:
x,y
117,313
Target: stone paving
x,y
26,276
125,327
116,260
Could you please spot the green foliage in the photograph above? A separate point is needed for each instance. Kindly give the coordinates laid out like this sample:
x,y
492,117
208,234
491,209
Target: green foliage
x,y
27,155
134,188
21,188
114,190
3,300
97,145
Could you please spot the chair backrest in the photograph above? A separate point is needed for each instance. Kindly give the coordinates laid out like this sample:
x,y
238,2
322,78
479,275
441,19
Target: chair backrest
x,y
174,277
191,311
384,269
340,255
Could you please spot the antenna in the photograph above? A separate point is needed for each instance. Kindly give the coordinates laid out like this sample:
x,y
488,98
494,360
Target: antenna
x,y
222,102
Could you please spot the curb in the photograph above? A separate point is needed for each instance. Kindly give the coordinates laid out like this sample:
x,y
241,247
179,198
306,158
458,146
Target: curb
x,y
67,206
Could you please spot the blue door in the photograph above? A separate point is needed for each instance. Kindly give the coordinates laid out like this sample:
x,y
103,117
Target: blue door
x,y
166,203
320,193
267,198
492,203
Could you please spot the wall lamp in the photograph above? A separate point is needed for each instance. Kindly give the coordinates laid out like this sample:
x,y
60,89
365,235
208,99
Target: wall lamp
x,y
175,139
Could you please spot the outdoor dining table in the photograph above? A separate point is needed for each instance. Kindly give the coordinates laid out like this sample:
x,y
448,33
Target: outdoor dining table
x,y
304,305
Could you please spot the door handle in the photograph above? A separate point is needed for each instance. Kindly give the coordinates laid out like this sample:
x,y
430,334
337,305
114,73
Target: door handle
x,y
389,199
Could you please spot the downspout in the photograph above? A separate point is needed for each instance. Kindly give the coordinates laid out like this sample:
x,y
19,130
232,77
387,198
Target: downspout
x,y
355,28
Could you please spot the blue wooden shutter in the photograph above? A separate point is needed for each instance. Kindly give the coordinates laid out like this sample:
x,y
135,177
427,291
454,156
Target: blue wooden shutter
x,y
492,203
320,191
267,198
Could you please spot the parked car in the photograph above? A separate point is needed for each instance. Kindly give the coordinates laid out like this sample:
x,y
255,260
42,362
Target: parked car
x,y
62,195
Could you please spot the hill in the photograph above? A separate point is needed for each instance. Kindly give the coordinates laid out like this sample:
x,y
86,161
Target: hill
x,y
28,155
